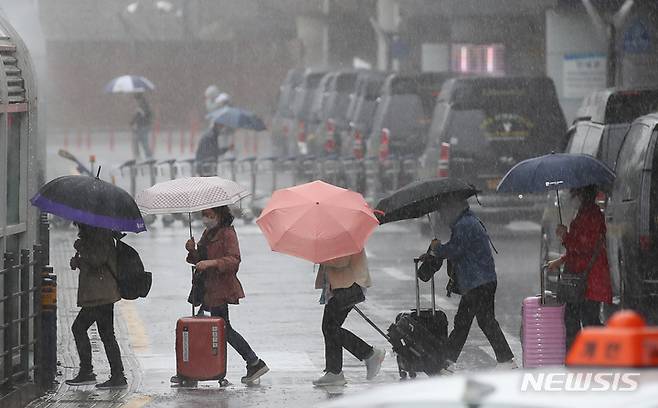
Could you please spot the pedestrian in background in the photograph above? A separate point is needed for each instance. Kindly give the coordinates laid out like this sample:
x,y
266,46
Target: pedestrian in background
x,y
343,282
95,257
584,242
140,125
217,260
211,94
469,253
208,151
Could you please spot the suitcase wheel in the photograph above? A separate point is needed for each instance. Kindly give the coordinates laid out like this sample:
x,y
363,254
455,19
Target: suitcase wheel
x,y
412,374
403,374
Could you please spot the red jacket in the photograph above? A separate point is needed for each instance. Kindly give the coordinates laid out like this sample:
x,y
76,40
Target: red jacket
x,y
221,281
585,231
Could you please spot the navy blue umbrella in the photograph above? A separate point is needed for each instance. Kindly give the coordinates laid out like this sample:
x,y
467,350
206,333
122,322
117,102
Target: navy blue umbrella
x,y
237,118
556,171
91,201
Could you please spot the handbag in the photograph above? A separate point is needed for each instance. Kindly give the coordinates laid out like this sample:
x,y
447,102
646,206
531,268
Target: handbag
x,y
572,286
346,298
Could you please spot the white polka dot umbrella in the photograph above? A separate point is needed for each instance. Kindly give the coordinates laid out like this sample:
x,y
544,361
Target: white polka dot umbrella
x,y
191,194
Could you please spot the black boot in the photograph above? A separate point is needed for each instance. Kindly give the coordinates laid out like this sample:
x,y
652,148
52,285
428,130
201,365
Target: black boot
x,y
84,377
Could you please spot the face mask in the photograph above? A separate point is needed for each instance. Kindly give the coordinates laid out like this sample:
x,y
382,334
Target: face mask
x,y
209,222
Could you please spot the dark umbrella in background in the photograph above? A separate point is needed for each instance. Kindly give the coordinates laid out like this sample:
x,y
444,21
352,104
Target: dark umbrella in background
x,y
92,201
421,198
237,118
556,171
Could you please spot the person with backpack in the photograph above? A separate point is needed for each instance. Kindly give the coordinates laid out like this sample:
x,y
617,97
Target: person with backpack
x,y
474,272
98,290
217,260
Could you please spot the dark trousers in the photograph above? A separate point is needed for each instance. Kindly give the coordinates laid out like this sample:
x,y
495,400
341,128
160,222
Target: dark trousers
x,y
478,303
103,316
234,338
336,338
578,315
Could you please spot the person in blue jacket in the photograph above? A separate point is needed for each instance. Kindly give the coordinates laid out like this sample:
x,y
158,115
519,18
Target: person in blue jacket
x,y
469,252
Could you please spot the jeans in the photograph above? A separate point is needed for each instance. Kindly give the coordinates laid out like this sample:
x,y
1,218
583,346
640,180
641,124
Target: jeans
x,y
577,315
478,303
141,138
103,316
234,338
336,338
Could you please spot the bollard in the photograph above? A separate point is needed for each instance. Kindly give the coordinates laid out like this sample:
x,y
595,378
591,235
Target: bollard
x,y
48,325
92,163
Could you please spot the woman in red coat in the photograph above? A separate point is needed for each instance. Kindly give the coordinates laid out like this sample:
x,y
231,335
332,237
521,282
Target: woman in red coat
x,y
217,259
584,239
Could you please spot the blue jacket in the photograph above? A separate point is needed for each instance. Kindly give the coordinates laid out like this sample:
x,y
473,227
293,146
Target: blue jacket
x,y
469,250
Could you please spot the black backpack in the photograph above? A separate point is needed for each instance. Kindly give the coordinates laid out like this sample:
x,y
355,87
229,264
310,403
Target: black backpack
x,y
132,279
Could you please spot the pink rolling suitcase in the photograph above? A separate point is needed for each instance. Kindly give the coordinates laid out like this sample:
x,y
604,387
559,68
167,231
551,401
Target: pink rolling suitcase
x,y
543,334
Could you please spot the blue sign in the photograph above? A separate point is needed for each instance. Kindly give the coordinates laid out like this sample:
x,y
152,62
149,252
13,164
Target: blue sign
x,y
637,39
399,48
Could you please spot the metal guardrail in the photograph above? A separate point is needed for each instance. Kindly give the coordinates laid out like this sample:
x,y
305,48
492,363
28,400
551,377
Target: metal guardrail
x,y
20,353
263,175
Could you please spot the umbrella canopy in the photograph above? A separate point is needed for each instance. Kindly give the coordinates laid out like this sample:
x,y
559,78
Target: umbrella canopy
x,y
317,221
556,171
422,197
129,84
237,118
190,194
92,201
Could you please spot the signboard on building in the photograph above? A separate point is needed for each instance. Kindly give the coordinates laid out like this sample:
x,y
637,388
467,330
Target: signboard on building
x,y
637,39
583,74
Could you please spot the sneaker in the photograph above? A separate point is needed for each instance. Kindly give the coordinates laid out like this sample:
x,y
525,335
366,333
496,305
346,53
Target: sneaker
x,y
449,369
507,365
255,371
113,382
374,363
330,379
82,379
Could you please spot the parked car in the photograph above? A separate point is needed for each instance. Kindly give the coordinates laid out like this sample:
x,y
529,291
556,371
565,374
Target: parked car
x,y
301,107
361,113
632,219
334,113
280,127
483,126
319,103
605,118
400,125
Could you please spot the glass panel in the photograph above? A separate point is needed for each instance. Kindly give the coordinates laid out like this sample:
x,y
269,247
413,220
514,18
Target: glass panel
x,y
13,167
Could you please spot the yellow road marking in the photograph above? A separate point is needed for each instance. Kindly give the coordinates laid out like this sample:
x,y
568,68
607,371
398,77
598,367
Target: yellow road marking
x,y
139,339
137,402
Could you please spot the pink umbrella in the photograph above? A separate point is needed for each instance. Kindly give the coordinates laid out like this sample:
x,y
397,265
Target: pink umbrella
x,y
317,221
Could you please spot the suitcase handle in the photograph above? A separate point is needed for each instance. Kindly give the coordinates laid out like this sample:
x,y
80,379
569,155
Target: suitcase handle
x,y
416,261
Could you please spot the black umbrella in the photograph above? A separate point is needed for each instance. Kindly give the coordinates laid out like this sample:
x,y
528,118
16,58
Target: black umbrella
x,y
422,197
92,201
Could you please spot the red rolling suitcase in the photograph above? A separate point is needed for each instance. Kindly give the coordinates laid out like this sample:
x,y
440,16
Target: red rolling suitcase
x,y
201,348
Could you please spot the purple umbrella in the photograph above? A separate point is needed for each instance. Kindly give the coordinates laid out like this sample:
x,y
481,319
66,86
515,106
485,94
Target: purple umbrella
x,y
91,201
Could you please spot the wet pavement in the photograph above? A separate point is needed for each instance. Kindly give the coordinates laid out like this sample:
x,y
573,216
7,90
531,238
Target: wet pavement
x,y
280,316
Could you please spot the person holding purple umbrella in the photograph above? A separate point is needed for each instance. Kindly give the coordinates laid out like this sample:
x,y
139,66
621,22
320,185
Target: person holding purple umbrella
x,y
98,290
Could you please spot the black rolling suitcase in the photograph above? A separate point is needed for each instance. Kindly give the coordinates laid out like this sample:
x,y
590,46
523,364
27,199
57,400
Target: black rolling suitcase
x,y
419,340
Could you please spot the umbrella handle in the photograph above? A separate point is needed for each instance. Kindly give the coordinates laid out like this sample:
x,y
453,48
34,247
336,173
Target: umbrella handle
x,y
559,207
189,217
